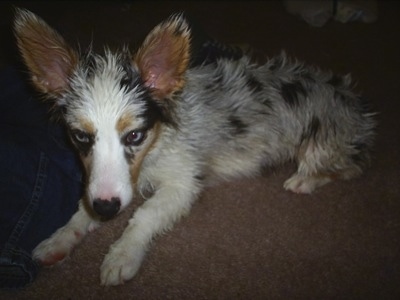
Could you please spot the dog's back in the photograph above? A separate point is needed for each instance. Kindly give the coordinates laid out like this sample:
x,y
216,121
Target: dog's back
x,y
239,117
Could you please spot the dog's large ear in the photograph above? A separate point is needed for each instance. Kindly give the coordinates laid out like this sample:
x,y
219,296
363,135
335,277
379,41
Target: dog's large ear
x,y
49,59
164,57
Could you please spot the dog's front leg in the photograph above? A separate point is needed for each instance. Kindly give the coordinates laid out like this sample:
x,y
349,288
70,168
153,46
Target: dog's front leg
x,y
60,244
155,216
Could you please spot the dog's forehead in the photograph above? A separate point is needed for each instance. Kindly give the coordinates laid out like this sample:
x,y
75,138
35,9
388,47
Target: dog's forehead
x,y
107,90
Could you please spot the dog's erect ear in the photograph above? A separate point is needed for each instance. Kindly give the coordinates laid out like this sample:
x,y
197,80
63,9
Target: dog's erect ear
x,y
164,57
49,59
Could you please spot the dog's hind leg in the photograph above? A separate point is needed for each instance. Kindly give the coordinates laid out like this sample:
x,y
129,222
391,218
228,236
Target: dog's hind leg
x,y
319,164
60,244
302,184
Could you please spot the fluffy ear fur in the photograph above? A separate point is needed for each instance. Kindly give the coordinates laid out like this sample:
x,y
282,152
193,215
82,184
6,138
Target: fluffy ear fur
x,y
49,59
164,57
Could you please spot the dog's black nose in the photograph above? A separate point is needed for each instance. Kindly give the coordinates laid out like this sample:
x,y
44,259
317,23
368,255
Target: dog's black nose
x,y
107,208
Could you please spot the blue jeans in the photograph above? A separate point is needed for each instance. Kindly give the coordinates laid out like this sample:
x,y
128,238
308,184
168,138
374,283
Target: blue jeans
x,y
40,178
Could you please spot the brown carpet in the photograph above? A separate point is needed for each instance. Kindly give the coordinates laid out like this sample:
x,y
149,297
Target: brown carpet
x,y
250,239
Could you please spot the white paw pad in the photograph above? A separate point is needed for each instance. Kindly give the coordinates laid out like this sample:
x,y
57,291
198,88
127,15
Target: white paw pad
x,y
305,184
120,265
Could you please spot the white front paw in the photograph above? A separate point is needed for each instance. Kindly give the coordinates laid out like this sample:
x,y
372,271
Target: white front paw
x,y
57,247
120,264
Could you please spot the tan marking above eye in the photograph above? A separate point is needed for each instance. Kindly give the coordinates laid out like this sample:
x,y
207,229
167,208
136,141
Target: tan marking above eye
x,y
87,126
124,123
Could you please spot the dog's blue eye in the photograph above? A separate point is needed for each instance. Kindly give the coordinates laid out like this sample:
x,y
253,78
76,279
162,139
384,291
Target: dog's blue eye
x,y
81,137
134,138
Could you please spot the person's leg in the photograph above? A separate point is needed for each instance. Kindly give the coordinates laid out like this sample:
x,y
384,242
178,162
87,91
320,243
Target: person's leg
x,y
40,178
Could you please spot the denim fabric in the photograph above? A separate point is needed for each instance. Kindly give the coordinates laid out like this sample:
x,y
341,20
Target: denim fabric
x,y
40,178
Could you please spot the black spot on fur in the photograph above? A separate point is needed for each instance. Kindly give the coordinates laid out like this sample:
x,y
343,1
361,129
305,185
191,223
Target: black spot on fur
x,y
129,81
237,125
311,131
314,127
254,85
208,86
131,78
154,112
292,92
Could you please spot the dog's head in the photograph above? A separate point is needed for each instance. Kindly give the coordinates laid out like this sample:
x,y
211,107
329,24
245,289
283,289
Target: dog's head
x,y
113,104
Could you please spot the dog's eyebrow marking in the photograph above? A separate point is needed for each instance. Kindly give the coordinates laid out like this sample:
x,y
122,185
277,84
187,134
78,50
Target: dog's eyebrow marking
x,y
87,126
124,122
292,91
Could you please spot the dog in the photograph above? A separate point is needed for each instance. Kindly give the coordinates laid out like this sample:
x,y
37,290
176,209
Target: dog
x,y
150,122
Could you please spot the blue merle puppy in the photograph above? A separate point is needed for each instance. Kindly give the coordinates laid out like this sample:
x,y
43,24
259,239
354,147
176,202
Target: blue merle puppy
x,y
150,121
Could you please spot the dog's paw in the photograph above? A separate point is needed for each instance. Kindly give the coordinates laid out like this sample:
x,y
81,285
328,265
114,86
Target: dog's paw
x,y
120,264
305,184
56,248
